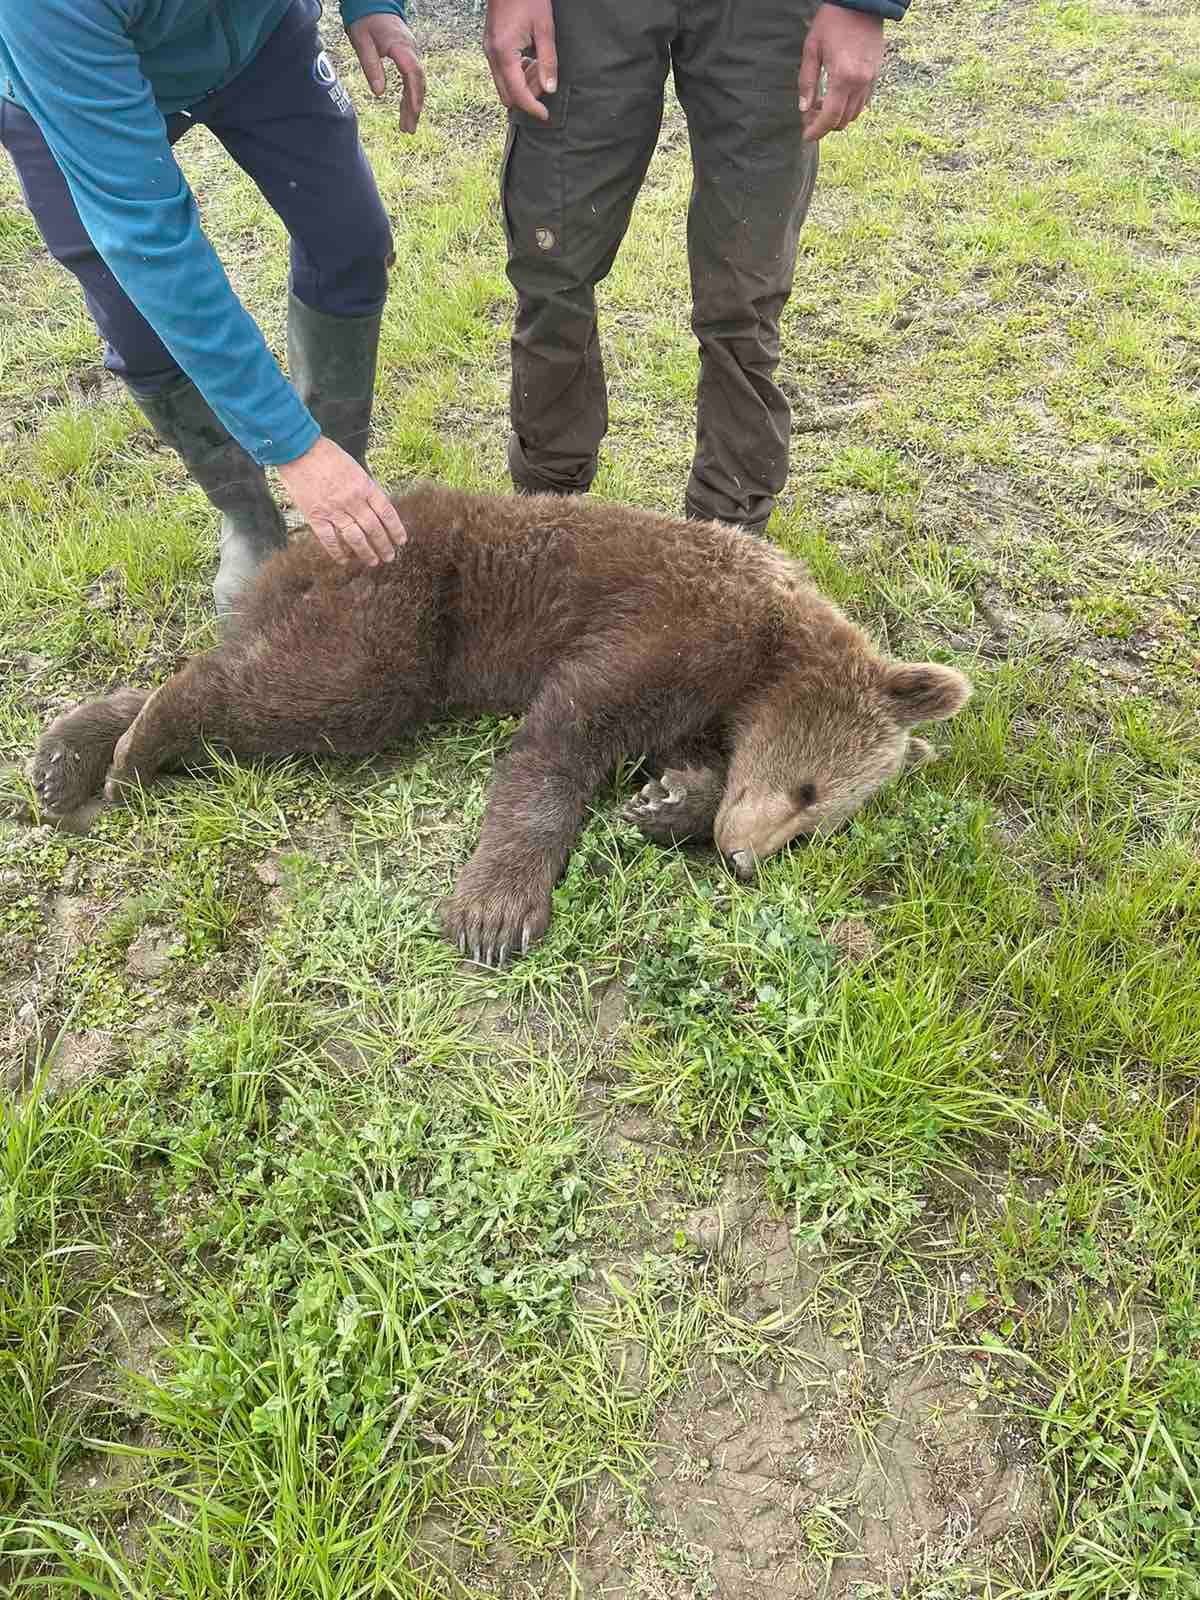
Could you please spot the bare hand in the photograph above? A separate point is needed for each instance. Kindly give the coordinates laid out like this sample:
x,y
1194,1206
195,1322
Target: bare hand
x,y
849,45
343,505
382,37
514,29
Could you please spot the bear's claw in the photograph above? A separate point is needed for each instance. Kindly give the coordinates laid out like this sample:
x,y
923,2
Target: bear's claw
x,y
655,807
654,797
668,810
489,920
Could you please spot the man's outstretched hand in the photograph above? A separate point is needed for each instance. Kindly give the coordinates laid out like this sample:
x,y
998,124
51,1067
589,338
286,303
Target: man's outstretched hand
x,y
343,505
382,37
518,41
849,46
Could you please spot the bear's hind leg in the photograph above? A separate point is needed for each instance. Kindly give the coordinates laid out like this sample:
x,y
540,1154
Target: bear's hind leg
x,y
69,764
170,725
260,700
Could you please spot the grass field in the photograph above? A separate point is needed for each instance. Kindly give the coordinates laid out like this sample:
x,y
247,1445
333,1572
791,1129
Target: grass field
x,y
833,1236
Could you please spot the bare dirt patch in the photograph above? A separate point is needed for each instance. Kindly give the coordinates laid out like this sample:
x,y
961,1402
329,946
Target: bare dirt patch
x,y
762,1491
818,1471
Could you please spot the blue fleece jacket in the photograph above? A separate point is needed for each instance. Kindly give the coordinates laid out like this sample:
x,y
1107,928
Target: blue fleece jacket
x,y
98,77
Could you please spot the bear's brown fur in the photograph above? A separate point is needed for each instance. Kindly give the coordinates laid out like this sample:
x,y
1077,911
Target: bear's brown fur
x,y
617,632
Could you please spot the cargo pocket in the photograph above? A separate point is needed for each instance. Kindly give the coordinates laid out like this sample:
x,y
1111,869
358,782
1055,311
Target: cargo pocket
x,y
531,179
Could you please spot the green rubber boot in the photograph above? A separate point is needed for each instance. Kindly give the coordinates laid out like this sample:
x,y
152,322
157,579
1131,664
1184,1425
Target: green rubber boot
x,y
252,527
332,362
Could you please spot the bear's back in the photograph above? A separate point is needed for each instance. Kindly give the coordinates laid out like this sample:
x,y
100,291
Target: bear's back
x,y
587,558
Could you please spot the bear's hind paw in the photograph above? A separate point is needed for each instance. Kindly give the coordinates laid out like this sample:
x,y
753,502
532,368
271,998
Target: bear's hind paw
x,y
64,775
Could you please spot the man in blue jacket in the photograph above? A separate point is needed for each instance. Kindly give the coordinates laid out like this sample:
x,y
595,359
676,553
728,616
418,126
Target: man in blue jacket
x,y
93,94
584,83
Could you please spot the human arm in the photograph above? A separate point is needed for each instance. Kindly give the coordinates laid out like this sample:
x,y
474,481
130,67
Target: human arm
x,y
75,70
845,40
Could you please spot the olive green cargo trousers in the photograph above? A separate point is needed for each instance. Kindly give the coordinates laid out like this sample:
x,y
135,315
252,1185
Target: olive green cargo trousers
x,y
568,187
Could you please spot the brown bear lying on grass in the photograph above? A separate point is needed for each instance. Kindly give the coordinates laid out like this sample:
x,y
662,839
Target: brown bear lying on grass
x,y
618,632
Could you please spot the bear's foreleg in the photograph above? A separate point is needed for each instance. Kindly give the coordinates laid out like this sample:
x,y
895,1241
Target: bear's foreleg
x,y
501,902
598,709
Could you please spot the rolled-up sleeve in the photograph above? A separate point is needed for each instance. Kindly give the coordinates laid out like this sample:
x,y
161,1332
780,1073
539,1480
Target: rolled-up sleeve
x,y
353,10
893,10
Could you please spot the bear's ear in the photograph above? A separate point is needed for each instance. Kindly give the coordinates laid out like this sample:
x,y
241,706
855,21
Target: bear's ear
x,y
925,692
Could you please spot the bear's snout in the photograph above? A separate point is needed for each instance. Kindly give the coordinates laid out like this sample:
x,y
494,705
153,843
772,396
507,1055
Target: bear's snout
x,y
742,862
755,827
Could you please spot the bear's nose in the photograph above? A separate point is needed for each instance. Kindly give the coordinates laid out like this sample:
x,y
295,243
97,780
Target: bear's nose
x,y
743,863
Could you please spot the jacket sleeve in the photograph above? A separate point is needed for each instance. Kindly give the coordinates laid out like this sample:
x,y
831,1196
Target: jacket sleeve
x,y
893,9
354,10
78,76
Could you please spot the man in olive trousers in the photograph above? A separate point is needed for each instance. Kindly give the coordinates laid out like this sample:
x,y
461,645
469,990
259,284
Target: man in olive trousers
x,y
584,85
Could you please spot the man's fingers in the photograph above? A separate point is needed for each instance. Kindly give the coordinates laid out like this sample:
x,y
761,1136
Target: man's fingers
x,y
847,48
828,115
368,60
508,63
374,525
356,542
810,75
547,54
855,85
360,541
502,90
345,540
343,504
856,104
389,518
332,545
412,74
514,30
370,536
522,95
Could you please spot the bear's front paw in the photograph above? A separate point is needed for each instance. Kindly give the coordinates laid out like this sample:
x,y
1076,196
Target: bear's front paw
x,y
675,809
494,914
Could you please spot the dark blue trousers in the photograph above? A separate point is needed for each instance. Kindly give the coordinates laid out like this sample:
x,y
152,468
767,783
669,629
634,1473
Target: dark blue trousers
x,y
289,125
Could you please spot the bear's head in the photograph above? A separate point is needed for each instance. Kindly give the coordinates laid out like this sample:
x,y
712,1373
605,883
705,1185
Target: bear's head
x,y
810,752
